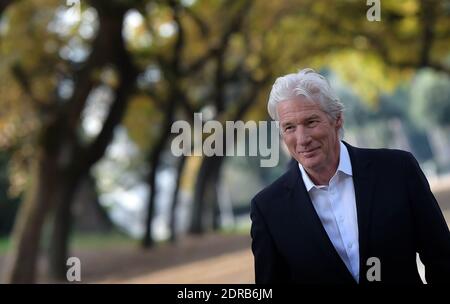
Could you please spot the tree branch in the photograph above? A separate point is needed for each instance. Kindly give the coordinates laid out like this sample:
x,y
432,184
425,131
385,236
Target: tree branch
x,y
23,80
83,79
128,74
215,50
204,30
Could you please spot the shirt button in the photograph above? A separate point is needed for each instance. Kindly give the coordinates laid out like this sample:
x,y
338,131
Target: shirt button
x,y
341,219
349,246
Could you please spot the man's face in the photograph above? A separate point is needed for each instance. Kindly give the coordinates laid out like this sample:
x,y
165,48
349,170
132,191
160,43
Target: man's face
x,y
310,134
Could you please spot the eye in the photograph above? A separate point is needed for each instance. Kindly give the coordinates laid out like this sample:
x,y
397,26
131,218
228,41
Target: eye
x,y
312,123
289,128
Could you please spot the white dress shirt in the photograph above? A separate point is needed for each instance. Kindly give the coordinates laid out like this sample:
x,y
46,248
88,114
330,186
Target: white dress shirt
x,y
335,205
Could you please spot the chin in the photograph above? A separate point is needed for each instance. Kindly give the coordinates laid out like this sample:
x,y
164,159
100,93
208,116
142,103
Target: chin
x,y
311,166
311,163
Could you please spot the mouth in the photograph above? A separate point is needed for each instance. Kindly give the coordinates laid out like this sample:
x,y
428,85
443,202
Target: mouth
x,y
309,153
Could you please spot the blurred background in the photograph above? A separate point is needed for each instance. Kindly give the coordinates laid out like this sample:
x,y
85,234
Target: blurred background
x,y
89,91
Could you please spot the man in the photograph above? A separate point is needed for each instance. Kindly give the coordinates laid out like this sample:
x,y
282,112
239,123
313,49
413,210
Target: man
x,y
341,214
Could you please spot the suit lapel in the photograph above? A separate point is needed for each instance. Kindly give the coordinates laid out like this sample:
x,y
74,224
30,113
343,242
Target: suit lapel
x,y
363,181
304,215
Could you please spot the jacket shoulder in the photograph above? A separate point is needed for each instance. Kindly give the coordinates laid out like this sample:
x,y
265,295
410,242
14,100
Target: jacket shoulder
x,y
384,155
274,190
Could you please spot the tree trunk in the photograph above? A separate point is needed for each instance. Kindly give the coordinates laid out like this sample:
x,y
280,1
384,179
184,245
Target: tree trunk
x,y
172,221
31,217
205,194
62,224
154,160
148,241
89,216
57,251
213,187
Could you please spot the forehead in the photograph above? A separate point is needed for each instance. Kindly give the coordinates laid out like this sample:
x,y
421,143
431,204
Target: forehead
x,y
298,108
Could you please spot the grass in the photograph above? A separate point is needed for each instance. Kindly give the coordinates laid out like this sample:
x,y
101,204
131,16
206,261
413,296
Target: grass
x,y
4,245
239,229
101,240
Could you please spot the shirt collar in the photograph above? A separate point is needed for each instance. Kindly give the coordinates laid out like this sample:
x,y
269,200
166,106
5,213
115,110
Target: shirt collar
x,y
344,166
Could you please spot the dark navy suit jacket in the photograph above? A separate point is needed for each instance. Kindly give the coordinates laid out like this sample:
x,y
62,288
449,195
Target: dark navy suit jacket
x,y
397,217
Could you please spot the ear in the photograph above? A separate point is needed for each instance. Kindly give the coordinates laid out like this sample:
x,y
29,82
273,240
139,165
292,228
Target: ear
x,y
339,121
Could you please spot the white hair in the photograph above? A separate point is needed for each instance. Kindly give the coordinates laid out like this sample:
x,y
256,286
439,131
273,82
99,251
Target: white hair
x,y
310,84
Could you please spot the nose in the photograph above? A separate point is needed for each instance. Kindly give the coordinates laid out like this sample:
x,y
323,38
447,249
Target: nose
x,y
303,136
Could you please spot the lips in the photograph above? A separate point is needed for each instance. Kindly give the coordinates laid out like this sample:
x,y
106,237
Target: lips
x,y
309,153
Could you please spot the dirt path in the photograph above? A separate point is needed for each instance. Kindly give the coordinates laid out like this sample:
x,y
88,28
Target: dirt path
x,y
231,268
212,258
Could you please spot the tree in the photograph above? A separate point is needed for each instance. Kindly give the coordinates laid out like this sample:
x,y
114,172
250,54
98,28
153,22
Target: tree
x,y
61,159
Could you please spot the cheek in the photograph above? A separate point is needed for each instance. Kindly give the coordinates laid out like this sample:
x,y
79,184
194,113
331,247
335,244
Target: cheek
x,y
290,143
289,140
323,134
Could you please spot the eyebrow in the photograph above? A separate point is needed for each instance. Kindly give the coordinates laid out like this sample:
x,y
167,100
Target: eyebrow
x,y
288,123
313,116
